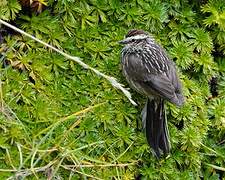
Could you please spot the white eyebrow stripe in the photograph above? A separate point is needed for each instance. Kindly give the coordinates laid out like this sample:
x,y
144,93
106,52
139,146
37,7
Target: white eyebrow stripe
x,y
139,36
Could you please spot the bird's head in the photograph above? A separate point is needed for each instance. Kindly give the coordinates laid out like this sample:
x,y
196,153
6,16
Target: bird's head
x,y
134,36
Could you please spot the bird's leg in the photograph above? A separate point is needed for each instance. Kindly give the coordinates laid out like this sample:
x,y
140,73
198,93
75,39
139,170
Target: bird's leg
x,y
143,115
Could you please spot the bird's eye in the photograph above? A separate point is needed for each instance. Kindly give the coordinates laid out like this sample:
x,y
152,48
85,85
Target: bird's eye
x,y
132,40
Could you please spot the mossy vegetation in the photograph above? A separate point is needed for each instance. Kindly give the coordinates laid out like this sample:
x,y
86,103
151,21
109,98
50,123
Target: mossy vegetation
x,y
61,121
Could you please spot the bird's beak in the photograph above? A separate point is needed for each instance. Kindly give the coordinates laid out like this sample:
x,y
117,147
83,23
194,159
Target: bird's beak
x,y
122,41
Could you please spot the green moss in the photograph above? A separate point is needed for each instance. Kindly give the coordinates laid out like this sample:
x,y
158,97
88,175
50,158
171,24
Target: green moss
x,y
60,120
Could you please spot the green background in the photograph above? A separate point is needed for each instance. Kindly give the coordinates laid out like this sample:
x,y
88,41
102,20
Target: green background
x,y
59,120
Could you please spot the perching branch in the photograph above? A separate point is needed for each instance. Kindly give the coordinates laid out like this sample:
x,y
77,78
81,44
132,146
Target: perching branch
x,y
111,79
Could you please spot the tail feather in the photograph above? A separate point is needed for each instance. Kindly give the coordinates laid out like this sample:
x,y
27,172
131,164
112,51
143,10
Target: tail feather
x,y
156,127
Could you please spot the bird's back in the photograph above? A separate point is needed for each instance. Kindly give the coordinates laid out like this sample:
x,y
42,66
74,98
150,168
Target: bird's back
x,y
148,69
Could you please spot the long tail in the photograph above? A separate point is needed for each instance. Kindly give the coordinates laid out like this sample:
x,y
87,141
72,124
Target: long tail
x,y
155,123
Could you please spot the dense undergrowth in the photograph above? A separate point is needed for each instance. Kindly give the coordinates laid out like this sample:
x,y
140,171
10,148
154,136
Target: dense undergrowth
x,y
59,120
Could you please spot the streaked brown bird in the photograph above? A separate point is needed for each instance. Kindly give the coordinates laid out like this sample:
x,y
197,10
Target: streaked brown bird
x,y
149,71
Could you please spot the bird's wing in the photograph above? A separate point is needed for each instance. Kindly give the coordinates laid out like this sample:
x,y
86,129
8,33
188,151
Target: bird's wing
x,y
154,76
162,86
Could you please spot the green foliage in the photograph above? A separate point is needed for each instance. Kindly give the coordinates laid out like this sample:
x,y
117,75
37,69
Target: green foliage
x,y
59,120
9,9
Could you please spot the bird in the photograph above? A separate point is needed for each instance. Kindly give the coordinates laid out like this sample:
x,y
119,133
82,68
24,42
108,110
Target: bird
x,y
149,70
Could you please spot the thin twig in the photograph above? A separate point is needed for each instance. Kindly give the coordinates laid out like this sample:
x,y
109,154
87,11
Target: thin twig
x,y
69,117
100,165
212,150
74,170
215,167
8,170
112,80
40,150
64,136
9,113
83,147
82,111
9,158
56,168
123,152
27,172
21,155
76,161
